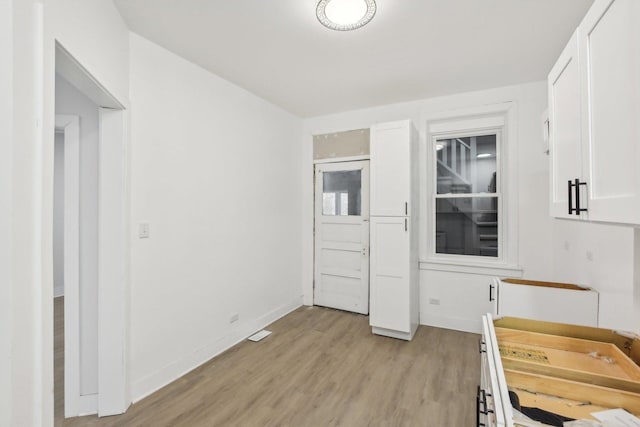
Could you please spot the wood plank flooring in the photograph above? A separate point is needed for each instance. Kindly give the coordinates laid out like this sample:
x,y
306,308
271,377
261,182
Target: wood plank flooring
x,y
321,367
58,360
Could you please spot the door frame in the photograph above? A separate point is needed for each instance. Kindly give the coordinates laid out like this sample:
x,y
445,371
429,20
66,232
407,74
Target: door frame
x,y
74,403
336,162
113,395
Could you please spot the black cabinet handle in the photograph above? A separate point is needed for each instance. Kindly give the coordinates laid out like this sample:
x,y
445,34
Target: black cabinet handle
x,y
481,405
480,344
570,196
490,292
406,208
575,185
478,423
405,224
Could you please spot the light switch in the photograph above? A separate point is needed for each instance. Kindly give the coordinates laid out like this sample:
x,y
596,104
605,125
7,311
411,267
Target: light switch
x,y
143,230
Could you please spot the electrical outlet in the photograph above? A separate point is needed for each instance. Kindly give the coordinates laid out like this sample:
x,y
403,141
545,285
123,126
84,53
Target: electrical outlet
x,y
434,301
234,318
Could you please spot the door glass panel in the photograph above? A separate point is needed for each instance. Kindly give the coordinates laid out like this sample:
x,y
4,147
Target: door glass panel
x,y
341,193
467,165
467,226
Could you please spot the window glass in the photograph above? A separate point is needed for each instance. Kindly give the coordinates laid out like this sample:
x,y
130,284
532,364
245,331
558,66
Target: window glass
x,y
341,193
467,194
466,165
467,226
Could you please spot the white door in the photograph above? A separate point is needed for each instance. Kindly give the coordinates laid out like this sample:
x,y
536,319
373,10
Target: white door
x,y
610,51
390,268
342,236
565,150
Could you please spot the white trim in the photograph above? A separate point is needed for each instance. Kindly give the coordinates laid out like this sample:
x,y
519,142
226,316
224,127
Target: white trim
x,y
454,126
342,159
88,405
481,118
6,219
73,71
70,126
488,269
112,263
453,323
155,381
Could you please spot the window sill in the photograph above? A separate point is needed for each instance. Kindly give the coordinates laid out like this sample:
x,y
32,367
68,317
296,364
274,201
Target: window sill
x,y
484,268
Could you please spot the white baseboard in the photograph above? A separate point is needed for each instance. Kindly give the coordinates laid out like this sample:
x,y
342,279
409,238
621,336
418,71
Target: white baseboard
x,y
455,323
151,383
87,405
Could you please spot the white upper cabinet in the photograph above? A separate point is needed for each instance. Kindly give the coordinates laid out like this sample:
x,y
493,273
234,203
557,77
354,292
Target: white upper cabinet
x,y
565,147
594,112
391,169
609,40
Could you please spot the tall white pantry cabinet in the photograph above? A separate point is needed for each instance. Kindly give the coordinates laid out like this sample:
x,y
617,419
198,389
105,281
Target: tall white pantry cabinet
x,y
394,271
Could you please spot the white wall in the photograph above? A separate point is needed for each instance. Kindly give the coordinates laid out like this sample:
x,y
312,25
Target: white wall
x,y
6,171
604,257
95,34
26,295
216,174
58,215
72,102
534,224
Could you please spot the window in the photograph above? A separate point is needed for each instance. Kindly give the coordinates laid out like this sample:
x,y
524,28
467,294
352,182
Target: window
x,y
470,220
341,193
467,193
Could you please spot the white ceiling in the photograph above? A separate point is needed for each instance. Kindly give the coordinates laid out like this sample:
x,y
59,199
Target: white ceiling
x,y
412,49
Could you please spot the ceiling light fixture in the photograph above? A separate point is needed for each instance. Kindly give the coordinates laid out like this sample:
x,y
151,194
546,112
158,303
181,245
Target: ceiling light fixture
x,y
345,15
483,155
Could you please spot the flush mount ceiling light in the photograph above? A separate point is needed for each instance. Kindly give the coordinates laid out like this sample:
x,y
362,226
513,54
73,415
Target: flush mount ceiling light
x,y
345,15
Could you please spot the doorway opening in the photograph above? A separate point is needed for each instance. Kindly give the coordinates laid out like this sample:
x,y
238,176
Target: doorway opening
x,y
89,245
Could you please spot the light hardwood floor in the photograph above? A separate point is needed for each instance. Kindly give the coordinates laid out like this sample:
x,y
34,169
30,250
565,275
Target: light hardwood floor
x,y
321,367
58,360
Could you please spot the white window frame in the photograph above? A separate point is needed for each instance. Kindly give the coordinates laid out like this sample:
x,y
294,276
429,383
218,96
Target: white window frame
x,y
434,183
489,119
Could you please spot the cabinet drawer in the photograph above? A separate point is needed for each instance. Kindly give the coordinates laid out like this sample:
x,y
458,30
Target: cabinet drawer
x,y
553,302
568,370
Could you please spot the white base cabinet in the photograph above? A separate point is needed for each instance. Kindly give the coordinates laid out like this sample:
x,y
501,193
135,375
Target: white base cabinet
x,y
394,279
548,301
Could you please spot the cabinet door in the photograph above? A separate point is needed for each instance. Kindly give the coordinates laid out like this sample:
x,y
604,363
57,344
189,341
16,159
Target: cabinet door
x,y
457,300
390,169
610,50
564,128
390,296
